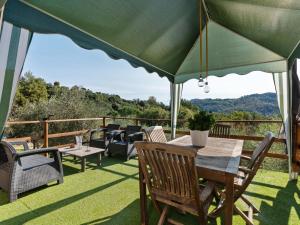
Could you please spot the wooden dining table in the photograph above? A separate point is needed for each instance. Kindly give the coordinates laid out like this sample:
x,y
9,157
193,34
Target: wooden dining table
x,y
218,161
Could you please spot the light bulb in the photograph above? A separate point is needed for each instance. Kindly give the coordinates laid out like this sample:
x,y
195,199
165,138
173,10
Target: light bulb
x,y
206,88
201,82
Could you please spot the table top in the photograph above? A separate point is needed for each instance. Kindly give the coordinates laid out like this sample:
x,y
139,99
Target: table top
x,y
220,154
81,151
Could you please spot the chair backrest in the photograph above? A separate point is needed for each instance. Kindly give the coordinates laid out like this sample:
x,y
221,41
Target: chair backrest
x,y
155,134
261,150
257,159
111,127
130,129
7,152
20,143
169,171
220,130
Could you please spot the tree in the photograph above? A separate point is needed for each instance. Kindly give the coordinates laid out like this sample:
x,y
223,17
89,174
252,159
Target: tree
x,y
152,100
154,113
31,89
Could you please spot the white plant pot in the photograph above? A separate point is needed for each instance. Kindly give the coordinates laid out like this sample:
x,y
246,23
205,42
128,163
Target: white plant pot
x,y
199,138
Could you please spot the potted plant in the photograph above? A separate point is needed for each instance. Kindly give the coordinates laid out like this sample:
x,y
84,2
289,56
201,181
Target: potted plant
x,y
199,127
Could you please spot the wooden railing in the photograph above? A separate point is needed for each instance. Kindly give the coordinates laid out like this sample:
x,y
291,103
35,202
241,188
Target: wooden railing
x,y
46,135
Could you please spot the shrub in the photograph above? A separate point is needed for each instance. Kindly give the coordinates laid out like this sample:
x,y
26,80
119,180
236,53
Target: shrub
x,y
201,121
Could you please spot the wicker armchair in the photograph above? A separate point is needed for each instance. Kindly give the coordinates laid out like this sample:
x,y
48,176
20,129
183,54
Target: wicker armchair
x,y
24,171
102,142
122,141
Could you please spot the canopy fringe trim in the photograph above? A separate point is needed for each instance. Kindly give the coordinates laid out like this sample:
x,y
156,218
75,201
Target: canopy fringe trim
x,y
166,73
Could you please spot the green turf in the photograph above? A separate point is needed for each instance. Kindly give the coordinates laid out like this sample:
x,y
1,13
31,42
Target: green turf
x,y
110,195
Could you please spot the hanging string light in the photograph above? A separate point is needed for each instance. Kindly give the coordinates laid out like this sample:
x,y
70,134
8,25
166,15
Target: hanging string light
x,y
201,81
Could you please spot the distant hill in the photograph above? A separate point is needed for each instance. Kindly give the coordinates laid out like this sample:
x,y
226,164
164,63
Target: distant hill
x,y
265,104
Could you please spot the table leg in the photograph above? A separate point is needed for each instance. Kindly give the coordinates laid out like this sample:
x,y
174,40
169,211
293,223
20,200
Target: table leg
x,y
143,198
99,159
83,164
229,200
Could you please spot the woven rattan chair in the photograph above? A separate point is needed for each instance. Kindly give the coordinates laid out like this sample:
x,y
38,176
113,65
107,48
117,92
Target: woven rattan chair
x,y
102,142
243,180
24,171
220,130
122,142
171,177
155,134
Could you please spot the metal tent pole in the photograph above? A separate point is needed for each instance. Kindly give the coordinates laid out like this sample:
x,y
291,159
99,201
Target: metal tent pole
x,y
291,117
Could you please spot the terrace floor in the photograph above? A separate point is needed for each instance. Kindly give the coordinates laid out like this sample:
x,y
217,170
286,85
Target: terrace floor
x,y
110,195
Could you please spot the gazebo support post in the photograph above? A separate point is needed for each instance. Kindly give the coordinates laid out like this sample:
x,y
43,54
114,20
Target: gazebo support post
x,y
175,92
293,106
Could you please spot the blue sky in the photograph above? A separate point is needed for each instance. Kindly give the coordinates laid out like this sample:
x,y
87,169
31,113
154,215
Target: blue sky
x,y
57,58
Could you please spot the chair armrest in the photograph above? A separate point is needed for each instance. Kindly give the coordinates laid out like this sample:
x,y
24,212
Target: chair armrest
x,y
36,151
246,170
137,136
207,191
245,157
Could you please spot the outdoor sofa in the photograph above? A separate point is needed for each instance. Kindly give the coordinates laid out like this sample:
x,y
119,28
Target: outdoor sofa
x,y
29,169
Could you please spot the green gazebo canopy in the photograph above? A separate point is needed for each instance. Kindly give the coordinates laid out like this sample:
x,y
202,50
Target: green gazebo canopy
x,y
163,35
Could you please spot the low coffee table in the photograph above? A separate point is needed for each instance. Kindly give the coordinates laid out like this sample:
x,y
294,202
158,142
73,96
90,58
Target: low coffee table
x,y
83,152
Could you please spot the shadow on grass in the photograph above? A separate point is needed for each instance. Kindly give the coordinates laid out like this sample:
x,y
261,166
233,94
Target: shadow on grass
x,y
72,166
127,216
279,212
266,185
131,215
25,217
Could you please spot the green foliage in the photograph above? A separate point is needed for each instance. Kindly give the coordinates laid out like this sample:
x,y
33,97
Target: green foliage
x,y
152,100
201,121
31,89
154,112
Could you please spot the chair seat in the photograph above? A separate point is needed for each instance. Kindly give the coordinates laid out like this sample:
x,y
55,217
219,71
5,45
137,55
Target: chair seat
x,y
33,161
120,143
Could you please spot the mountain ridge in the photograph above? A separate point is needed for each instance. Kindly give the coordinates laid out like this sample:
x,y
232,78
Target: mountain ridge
x,y
265,104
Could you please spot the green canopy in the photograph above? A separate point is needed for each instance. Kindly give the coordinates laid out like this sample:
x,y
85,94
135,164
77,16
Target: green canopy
x,y
163,35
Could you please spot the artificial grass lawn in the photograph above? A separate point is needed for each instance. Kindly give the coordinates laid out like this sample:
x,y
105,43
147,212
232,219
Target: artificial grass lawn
x,y
110,195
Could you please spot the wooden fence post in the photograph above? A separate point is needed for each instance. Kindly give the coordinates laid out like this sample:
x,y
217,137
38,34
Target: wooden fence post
x,y
46,132
136,122
103,121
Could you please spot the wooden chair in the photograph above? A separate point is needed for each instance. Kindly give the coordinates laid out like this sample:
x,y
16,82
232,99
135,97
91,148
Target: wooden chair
x,y
171,177
155,134
220,130
243,180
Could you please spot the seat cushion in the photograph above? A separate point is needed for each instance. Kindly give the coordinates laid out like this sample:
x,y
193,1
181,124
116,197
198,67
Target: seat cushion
x,y
29,162
122,143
